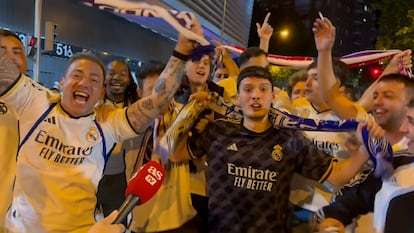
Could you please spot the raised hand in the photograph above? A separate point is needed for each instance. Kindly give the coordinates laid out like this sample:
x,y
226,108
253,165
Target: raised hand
x,y
324,34
184,45
265,31
399,63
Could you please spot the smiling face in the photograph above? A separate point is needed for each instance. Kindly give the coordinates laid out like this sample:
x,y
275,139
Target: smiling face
x,y
117,80
82,87
389,104
255,97
198,71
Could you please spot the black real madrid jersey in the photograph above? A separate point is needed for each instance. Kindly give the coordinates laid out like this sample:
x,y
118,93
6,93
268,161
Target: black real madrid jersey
x,y
250,174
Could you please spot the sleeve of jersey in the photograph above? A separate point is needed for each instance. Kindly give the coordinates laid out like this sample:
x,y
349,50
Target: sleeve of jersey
x,y
198,143
362,114
23,93
311,162
352,200
117,121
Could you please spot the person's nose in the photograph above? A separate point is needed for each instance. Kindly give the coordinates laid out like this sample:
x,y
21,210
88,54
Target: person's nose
x,y
377,101
256,94
85,82
115,76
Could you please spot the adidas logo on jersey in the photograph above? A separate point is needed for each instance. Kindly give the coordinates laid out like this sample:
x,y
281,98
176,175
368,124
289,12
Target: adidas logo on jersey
x,y
51,120
232,147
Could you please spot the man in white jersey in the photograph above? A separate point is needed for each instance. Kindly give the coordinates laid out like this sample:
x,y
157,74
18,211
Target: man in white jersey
x,y
65,139
13,47
308,196
387,98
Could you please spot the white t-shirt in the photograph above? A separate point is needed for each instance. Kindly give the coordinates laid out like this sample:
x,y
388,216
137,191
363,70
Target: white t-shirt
x,y
61,162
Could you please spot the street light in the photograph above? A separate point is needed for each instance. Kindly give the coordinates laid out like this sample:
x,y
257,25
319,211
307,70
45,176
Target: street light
x,y
284,33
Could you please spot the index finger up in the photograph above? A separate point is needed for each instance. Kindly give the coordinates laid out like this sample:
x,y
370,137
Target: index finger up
x,y
266,20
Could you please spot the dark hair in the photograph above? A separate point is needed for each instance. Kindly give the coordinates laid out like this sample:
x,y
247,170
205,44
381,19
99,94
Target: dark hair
x,y
254,72
249,53
6,33
149,68
350,89
298,76
90,57
340,69
407,81
130,94
199,52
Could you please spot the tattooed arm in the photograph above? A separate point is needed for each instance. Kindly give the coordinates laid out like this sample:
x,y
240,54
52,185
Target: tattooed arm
x,y
142,112
9,72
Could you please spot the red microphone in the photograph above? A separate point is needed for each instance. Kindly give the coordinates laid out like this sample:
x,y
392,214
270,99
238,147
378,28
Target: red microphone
x,y
142,187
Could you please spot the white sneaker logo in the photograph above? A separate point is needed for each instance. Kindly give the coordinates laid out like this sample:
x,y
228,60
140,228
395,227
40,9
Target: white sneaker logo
x,y
232,147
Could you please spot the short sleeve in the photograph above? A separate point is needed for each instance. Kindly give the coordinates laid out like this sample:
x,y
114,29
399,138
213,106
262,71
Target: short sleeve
x,y
310,161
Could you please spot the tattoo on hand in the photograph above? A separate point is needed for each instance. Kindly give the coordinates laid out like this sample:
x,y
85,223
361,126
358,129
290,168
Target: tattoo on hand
x,y
160,86
147,104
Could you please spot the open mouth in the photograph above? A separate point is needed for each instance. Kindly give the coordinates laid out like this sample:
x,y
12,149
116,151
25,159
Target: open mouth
x,y
256,106
379,112
201,73
80,97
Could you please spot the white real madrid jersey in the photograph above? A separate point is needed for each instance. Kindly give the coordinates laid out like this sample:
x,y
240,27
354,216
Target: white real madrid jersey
x,y
306,193
60,162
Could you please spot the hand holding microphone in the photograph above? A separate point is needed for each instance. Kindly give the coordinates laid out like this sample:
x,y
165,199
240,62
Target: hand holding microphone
x,y
142,187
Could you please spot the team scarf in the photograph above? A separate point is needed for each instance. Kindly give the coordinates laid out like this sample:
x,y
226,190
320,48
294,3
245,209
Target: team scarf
x,y
181,21
379,149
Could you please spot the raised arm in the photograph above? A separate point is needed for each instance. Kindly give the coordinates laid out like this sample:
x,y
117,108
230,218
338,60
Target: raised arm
x,y
264,31
324,33
398,62
9,72
142,112
228,61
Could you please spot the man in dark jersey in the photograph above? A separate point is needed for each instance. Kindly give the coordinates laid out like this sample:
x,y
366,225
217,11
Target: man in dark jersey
x,y
251,163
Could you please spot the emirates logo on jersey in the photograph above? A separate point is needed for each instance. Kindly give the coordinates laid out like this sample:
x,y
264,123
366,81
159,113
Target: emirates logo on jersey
x,y
92,135
277,153
3,108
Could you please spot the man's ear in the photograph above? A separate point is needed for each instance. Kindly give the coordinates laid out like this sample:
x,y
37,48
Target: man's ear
x,y
139,92
236,99
61,83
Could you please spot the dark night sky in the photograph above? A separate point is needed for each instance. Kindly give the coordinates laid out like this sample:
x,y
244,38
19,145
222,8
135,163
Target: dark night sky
x,y
300,40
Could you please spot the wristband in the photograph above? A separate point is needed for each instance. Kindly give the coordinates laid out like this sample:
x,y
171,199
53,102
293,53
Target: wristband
x,y
180,55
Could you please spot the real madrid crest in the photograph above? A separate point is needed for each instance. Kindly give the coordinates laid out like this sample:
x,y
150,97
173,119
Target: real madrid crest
x,y
92,135
277,153
3,108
